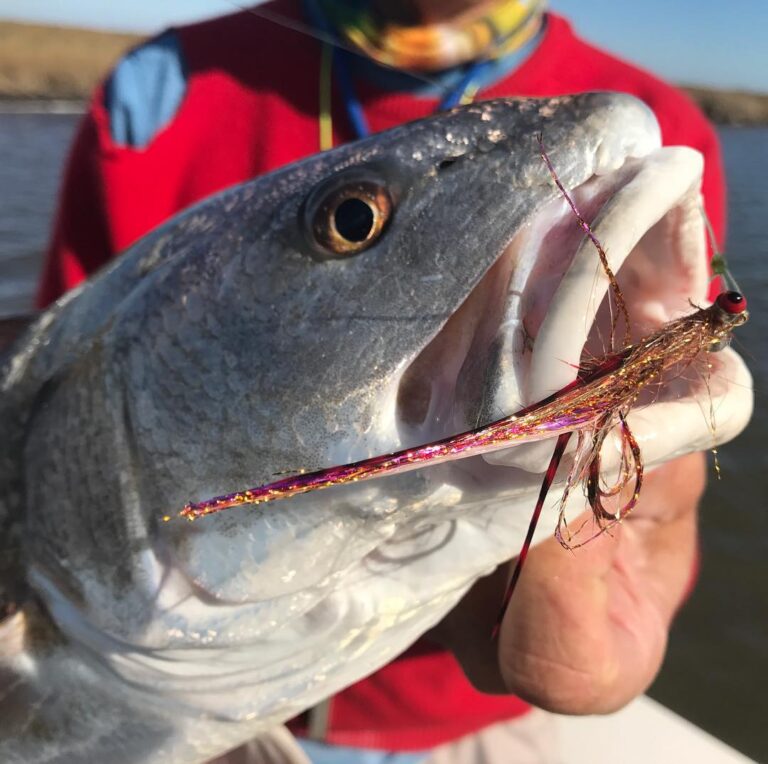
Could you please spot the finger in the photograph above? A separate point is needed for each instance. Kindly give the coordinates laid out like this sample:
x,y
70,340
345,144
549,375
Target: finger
x,y
586,631
698,422
662,533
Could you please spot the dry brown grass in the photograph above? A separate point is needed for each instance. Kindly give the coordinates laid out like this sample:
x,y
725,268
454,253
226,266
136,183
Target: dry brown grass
x,y
732,107
55,62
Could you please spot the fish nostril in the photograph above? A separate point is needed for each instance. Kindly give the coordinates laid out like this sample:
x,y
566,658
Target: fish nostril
x,y
447,162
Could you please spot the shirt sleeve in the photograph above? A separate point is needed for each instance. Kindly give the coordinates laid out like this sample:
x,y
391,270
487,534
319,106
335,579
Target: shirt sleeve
x,y
96,211
81,241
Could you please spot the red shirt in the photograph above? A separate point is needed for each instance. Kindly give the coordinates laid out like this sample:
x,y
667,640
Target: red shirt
x,y
251,105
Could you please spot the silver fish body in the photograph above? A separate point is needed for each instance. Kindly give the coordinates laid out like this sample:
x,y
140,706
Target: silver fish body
x,y
229,346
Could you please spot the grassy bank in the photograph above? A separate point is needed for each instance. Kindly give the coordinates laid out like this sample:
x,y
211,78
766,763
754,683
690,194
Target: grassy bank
x,y
731,107
46,62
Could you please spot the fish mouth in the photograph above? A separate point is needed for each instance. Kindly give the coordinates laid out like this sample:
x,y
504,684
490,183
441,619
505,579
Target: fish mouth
x,y
544,307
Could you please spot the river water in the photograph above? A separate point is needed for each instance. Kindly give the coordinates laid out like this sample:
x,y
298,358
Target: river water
x,y
717,663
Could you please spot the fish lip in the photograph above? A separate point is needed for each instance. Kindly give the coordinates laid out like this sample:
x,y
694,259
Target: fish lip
x,y
476,379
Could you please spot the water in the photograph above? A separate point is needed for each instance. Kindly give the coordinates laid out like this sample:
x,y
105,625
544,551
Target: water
x,y
717,661
718,652
32,152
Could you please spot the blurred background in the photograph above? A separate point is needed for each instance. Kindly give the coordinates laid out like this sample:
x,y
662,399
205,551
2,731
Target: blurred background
x,y
52,54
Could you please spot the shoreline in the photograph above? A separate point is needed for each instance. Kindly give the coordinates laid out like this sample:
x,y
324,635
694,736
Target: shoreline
x,y
724,108
51,69
42,105
736,108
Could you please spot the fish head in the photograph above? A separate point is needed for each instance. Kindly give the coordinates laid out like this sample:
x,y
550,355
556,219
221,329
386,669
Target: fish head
x,y
415,284
338,348
367,299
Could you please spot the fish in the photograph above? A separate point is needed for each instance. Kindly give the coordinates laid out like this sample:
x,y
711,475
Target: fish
x,y
382,295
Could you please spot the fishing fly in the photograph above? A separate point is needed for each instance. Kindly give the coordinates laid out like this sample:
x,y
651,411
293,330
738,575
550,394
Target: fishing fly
x,y
602,390
595,404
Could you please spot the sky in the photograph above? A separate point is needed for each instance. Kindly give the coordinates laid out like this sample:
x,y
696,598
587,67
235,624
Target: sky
x,y
685,41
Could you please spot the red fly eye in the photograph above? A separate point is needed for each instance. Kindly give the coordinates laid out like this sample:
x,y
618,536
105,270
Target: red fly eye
x,y
731,302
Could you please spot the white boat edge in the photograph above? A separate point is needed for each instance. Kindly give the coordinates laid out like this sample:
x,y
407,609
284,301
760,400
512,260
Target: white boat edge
x,y
644,732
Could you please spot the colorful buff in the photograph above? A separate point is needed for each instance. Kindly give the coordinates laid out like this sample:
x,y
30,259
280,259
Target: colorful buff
x,y
489,33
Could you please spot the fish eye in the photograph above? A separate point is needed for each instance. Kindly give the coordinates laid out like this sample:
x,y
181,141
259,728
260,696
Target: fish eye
x,y
732,303
347,216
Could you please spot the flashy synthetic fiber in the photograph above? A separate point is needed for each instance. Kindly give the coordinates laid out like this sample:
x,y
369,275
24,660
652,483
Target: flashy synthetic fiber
x,y
605,388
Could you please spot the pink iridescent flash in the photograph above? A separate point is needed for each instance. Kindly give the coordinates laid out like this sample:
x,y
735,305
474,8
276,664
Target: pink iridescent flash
x,y
545,419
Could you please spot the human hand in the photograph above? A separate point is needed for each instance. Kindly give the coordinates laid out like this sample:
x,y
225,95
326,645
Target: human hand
x,y
586,631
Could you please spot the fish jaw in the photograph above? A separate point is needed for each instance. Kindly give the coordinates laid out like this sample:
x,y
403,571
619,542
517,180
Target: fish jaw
x,y
651,229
